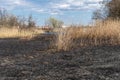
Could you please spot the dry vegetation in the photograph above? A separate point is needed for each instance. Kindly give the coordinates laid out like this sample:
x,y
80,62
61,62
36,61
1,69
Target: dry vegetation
x,y
72,53
19,33
36,60
102,33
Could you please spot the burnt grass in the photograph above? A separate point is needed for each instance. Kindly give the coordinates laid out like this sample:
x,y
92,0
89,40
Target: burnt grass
x,y
37,60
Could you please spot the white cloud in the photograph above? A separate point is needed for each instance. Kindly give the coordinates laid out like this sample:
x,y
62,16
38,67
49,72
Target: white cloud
x,y
12,4
37,9
60,6
53,7
17,2
54,13
24,4
95,0
76,4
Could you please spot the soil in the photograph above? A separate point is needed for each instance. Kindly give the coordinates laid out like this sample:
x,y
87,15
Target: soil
x,y
36,60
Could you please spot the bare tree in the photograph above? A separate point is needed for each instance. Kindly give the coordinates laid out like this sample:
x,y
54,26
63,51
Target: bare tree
x,y
31,22
3,17
10,20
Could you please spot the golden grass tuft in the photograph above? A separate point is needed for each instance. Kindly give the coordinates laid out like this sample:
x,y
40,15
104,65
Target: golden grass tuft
x,y
102,33
64,39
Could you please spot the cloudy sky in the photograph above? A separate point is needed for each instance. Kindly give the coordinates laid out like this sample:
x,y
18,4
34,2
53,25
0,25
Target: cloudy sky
x,y
69,11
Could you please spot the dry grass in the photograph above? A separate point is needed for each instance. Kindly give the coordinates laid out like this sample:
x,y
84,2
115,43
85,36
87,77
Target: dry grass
x,y
102,33
64,39
19,33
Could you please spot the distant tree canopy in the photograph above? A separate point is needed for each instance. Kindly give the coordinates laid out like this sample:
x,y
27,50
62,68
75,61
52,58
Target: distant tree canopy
x,y
10,20
111,10
114,9
54,23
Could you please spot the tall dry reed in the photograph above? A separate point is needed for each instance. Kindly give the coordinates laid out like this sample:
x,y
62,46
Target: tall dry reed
x,y
102,33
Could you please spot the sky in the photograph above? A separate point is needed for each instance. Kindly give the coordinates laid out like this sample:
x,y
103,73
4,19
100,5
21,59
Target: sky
x,y
68,11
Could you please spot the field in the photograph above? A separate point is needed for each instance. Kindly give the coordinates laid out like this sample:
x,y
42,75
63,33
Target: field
x,y
71,54
18,33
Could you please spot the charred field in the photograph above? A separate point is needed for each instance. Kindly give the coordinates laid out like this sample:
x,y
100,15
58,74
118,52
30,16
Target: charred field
x,y
36,60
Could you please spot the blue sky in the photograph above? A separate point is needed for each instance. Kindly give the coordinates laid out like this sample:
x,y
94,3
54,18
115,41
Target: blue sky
x,y
69,11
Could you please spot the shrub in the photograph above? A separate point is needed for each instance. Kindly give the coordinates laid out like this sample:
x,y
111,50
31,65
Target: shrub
x,y
54,23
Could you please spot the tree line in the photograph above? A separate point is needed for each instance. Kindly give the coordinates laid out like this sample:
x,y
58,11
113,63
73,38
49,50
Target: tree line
x,y
10,20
